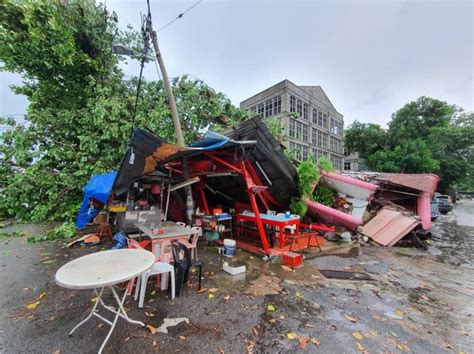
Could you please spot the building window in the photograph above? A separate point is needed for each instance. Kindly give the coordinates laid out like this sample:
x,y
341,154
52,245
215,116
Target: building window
x,y
320,119
332,126
268,108
304,152
299,107
347,166
277,105
320,138
324,140
292,128
299,130
260,109
339,128
301,151
292,104
253,109
315,116
325,120
305,133
314,136
305,111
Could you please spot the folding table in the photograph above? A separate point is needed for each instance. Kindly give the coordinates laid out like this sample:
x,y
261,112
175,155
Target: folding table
x,y
102,270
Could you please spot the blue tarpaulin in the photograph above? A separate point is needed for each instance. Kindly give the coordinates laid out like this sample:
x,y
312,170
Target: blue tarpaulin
x,y
98,188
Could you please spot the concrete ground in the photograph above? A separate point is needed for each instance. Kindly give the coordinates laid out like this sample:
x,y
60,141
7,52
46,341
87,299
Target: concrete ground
x,y
418,301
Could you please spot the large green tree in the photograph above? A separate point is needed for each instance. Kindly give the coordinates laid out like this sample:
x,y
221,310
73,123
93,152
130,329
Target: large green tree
x,y
365,138
426,135
78,121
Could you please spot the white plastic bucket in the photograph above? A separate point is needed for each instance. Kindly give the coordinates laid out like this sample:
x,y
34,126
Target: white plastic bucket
x,y
229,247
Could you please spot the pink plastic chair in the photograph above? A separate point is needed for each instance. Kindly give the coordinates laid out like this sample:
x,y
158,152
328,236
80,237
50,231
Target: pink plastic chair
x,y
191,244
159,268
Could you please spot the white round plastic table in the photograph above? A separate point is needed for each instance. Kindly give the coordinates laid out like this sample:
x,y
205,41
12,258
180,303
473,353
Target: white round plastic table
x,y
104,270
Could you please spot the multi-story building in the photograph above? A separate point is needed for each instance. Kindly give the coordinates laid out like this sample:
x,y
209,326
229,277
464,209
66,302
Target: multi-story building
x,y
353,162
311,125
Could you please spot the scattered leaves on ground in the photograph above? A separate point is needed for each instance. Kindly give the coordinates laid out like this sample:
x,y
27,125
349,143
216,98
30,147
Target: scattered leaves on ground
x,y
291,335
303,342
211,296
358,335
42,295
152,329
350,318
32,305
288,269
315,341
447,345
271,308
213,290
297,294
360,347
227,297
93,299
153,293
182,337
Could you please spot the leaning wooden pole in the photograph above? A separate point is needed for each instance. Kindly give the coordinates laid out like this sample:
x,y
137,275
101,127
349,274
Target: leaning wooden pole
x,y
174,112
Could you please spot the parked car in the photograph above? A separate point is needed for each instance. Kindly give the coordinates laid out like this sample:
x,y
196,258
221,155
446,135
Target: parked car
x,y
445,204
434,209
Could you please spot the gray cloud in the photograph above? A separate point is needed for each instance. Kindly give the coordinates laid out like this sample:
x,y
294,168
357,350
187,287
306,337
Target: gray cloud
x,y
371,57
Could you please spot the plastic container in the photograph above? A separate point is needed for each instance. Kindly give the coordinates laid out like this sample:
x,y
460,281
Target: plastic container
x,y
229,247
292,259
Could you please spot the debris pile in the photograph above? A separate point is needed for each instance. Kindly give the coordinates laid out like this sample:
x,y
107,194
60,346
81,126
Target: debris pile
x,y
386,209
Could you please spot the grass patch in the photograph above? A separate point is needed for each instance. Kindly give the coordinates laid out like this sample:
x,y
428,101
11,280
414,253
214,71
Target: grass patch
x,y
64,231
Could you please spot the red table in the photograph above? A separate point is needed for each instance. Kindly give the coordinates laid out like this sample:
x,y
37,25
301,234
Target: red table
x,y
274,220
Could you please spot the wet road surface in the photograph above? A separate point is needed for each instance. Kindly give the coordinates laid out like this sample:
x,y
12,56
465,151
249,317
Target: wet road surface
x,y
418,301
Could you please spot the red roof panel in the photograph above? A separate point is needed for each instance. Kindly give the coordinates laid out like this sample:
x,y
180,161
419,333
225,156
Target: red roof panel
x,y
425,182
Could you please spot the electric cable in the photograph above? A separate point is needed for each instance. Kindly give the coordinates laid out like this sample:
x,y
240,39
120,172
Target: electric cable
x,y
180,15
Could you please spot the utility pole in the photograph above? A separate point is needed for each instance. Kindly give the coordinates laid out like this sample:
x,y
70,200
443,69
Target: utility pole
x,y
174,112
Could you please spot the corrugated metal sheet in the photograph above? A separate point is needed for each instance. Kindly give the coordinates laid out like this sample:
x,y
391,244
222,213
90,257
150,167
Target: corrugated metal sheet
x,y
427,182
269,154
389,226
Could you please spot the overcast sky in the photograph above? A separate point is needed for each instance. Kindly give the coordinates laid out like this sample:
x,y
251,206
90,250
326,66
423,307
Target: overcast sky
x,y
370,57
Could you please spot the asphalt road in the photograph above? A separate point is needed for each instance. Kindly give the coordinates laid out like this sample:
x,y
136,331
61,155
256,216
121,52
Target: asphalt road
x,y
418,301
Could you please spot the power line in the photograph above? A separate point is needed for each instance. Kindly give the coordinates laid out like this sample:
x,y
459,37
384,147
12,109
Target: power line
x,y
180,15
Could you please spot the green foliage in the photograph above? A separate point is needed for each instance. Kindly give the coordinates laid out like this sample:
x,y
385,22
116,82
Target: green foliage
x,y
364,138
414,156
11,234
65,231
325,164
308,176
78,122
426,135
324,194
298,206
275,127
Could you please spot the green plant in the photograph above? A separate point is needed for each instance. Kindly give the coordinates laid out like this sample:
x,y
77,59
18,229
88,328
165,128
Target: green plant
x,y
79,117
298,206
324,194
64,231
11,234
308,176
275,127
325,164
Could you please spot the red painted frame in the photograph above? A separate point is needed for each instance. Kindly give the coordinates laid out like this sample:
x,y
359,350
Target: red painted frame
x,y
279,224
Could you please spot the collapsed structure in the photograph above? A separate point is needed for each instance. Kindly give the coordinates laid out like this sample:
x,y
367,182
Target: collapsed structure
x,y
243,175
